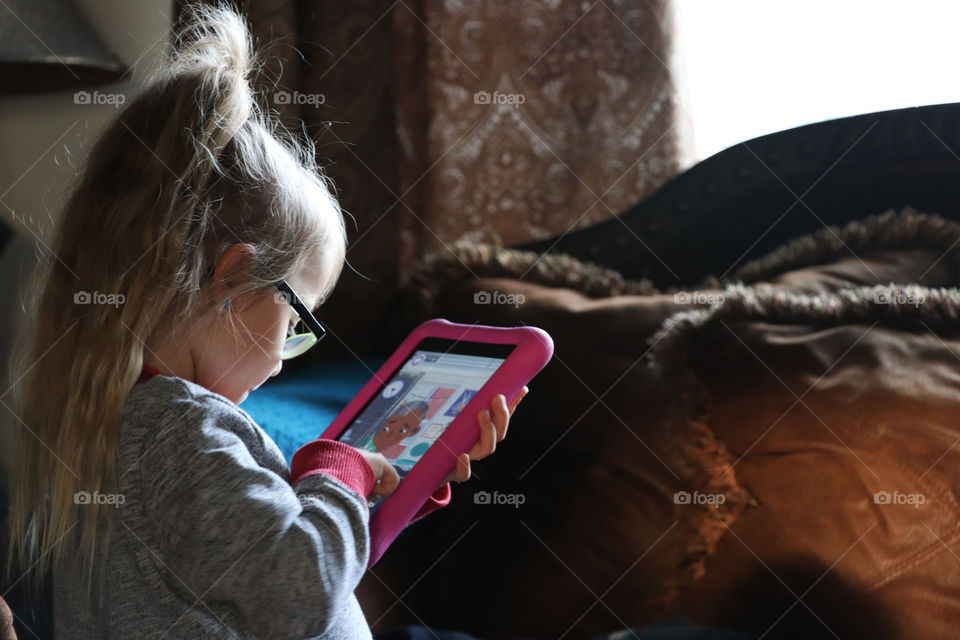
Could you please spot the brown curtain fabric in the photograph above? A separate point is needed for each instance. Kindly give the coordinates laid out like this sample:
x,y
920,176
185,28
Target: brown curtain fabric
x,y
524,120
497,122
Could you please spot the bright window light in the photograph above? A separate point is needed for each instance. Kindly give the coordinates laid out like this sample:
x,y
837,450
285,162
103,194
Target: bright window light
x,y
757,66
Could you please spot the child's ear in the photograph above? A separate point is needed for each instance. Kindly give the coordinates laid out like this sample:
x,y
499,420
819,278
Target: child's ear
x,y
231,269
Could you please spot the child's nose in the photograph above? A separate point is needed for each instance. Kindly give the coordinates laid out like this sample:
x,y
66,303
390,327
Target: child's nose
x,y
277,370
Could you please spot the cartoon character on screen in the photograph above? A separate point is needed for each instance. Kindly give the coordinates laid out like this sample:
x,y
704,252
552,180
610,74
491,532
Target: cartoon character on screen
x,y
400,425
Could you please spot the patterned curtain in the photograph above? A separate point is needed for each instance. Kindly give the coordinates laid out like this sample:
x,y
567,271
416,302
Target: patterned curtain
x,y
449,120
524,120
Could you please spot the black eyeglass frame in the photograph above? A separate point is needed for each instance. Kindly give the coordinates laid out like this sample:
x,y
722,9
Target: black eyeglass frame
x,y
301,310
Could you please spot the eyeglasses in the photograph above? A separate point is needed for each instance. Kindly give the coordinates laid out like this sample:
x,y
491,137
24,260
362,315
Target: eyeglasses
x,y
298,341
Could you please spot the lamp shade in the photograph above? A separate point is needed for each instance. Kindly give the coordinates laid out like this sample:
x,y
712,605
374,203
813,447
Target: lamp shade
x,y
48,45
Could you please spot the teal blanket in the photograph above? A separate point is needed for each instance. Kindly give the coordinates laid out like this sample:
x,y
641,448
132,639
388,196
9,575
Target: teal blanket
x,y
295,408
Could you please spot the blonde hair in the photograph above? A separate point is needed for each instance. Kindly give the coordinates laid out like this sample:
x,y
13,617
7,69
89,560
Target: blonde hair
x,y
190,167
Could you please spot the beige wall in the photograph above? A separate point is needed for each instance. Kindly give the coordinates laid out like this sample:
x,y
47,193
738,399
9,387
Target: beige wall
x,y
45,137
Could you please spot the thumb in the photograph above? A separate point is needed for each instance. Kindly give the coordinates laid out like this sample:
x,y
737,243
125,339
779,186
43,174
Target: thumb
x,y
387,479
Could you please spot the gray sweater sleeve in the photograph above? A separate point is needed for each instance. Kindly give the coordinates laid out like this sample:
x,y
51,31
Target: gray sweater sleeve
x,y
231,531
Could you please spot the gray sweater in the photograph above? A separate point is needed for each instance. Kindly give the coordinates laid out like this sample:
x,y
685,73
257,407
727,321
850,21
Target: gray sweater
x,y
211,541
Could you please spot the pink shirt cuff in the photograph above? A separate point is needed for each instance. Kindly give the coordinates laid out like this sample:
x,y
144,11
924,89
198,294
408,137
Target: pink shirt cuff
x,y
335,459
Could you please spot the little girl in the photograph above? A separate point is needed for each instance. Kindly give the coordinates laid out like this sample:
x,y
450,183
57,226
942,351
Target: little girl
x,y
160,507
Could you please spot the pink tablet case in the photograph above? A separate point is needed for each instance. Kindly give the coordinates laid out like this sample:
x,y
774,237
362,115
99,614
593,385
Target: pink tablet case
x,y
533,350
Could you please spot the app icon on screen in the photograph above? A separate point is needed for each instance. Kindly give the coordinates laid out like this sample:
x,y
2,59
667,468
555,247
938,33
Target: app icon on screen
x,y
460,402
392,389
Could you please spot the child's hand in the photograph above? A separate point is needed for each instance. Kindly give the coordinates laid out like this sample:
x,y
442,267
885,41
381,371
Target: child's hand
x,y
387,477
493,429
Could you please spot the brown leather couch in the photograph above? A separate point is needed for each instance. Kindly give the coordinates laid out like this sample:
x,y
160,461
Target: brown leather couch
x,y
796,399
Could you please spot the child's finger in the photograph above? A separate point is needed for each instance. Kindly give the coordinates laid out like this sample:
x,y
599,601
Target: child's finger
x,y
460,473
387,483
477,451
488,437
463,468
520,396
501,416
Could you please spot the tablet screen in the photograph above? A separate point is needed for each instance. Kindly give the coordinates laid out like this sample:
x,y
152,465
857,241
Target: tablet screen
x,y
419,401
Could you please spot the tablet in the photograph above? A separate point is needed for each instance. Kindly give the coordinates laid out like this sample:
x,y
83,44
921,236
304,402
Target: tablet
x,y
420,409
